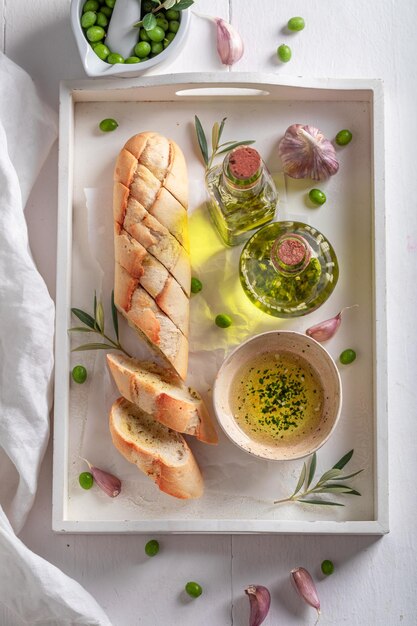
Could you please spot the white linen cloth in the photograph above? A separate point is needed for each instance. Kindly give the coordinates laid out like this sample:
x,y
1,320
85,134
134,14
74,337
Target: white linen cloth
x,y
30,586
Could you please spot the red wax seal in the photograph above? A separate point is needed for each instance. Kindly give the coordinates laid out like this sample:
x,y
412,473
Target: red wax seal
x,y
244,162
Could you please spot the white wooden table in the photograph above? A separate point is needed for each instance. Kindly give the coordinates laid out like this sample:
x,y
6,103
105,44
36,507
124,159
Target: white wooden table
x,y
375,579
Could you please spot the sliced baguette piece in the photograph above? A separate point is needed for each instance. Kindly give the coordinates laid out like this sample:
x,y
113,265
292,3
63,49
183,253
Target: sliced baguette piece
x,y
145,316
158,451
162,394
153,277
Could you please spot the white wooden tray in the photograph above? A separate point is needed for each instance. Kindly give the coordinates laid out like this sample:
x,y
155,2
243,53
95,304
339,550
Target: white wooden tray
x,y
239,489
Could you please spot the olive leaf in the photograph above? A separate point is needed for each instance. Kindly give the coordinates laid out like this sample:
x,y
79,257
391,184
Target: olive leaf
x,y
96,325
149,21
236,144
181,5
312,470
344,460
216,133
114,316
202,141
93,346
324,485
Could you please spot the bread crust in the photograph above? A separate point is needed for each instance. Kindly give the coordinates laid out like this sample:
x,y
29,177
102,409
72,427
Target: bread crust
x,y
162,395
182,480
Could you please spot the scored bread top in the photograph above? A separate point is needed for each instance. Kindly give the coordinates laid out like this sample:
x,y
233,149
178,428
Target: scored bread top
x,y
160,452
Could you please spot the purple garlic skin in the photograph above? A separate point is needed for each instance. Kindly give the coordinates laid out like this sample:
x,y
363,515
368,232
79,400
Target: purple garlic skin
x,y
306,587
260,601
306,153
111,485
325,330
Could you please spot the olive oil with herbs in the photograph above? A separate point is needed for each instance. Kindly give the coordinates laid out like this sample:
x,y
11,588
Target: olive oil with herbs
x,y
277,397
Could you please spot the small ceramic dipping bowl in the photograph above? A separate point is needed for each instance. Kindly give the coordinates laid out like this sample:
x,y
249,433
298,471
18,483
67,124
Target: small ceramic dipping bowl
x,y
125,13
304,350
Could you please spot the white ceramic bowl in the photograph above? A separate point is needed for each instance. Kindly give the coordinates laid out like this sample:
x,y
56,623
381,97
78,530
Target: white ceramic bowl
x,y
326,371
97,68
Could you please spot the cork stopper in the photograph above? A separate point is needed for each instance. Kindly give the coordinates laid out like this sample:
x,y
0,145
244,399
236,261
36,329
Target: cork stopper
x,y
290,254
244,162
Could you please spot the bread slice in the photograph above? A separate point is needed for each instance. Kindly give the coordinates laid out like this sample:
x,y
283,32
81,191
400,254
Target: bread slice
x,y
145,316
162,394
158,451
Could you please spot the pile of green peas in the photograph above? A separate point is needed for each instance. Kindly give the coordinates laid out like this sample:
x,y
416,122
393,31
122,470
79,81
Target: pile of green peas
x,y
96,17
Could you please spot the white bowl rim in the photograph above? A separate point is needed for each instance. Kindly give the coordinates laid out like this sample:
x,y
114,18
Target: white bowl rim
x,y
242,345
122,70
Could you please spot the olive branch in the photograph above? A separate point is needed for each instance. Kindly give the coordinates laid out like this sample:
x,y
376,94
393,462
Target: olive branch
x,y
148,21
216,148
95,324
325,484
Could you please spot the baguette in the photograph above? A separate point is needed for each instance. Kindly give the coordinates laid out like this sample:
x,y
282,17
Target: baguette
x,y
158,451
161,393
152,270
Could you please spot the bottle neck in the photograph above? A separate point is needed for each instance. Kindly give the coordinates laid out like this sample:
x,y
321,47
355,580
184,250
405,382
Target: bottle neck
x,y
290,254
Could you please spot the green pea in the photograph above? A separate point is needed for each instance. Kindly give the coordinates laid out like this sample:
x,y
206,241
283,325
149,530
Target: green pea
x,y
107,11
284,53
296,23
317,196
101,51
114,58
162,23
143,35
130,60
110,3
88,19
173,26
193,589
196,285
327,567
90,5
347,356
152,547
79,374
142,49
223,321
157,47
156,34
86,480
343,137
108,124
172,14
102,20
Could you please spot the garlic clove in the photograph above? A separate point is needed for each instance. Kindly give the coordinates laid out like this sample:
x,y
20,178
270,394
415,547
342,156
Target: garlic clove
x,y
229,43
306,153
325,330
110,484
306,588
260,601
230,46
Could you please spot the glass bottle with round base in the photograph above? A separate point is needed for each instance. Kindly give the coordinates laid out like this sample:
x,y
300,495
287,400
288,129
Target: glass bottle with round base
x,y
288,269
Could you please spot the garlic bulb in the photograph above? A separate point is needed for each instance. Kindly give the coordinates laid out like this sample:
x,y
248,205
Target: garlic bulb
x,y
306,153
